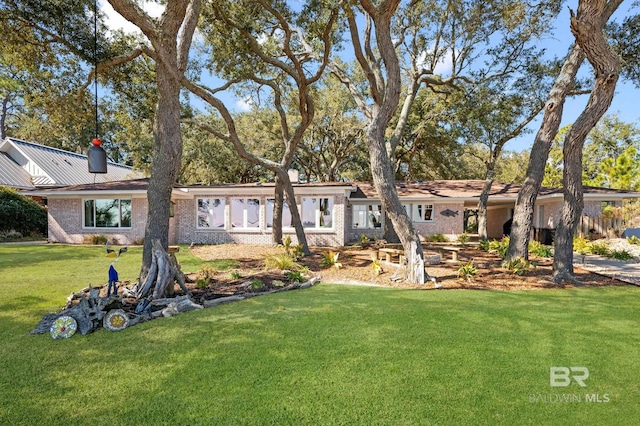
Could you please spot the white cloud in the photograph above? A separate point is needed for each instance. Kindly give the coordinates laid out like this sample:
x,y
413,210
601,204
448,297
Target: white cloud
x,y
245,105
115,21
443,66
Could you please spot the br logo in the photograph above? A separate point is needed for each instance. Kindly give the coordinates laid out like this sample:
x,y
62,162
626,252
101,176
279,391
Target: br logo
x,y
562,376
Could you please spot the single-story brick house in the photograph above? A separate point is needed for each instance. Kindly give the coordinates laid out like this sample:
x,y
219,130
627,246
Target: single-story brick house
x,y
333,213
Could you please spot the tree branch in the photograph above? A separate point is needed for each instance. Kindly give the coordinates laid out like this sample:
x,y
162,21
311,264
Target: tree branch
x,y
186,35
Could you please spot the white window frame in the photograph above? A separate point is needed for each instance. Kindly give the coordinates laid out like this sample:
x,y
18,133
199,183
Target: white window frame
x,y
269,212
120,200
317,213
211,228
418,211
367,208
245,214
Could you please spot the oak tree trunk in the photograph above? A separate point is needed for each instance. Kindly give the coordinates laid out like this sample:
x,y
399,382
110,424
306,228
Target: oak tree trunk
x,y
587,28
278,204
524,209
482,202
169,43
167,156
296,221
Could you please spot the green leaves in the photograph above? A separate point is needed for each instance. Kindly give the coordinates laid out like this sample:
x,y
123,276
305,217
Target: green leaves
x,y
21,214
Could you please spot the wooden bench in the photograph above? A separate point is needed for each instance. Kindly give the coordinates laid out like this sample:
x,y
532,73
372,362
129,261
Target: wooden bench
x,y
388,252
453,250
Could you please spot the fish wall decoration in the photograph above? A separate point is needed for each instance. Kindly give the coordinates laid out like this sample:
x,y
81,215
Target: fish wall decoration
x,y
449,213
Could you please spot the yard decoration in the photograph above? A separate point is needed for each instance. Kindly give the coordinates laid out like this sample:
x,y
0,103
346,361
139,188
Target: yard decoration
x,y
151,297
97,157
116,320
112,253
113,281
63,327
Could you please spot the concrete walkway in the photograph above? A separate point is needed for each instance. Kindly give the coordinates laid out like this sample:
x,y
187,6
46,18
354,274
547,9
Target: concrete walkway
x,y
627,271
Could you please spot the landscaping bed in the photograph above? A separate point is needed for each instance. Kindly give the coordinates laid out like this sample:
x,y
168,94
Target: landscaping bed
x,y
357,268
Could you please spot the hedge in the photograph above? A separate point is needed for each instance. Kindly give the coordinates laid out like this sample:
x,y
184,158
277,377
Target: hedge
x,y
21,214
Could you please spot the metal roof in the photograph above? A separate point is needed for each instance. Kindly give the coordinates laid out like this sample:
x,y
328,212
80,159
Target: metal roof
x,y
12,175
63,168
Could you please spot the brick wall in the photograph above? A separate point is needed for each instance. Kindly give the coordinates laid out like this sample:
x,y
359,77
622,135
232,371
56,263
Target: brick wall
x,y
187,231
65,222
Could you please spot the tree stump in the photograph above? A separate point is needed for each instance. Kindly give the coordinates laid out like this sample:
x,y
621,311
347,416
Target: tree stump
x,y
163,273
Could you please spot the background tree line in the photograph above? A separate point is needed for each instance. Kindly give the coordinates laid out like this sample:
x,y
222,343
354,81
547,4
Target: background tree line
x,y
394,106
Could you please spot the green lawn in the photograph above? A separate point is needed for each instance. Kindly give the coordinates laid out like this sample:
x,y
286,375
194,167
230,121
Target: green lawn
x,y
332,354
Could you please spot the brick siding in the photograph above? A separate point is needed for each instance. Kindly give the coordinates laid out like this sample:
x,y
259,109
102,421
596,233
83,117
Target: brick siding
x,y
187,231
65,222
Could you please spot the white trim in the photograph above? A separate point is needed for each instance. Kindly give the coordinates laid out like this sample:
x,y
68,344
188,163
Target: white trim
x,y
31,166
289,228
415,209
245,214
317,214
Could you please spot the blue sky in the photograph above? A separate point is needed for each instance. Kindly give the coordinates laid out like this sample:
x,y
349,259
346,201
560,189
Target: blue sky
x,y
625,102
557,43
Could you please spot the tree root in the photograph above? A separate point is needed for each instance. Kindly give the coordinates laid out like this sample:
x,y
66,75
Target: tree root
x,y
566,278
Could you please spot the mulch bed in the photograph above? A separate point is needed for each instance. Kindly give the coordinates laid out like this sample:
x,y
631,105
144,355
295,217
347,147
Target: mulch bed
x,y
357,269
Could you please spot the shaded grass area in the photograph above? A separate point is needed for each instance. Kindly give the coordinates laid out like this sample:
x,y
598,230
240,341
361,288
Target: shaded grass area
x,y
328,355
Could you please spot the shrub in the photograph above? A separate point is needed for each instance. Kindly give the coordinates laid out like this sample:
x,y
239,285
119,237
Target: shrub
x,y
494,246
21,214
96,239
282,261
364,240
621,255
206,273
538,249
295,252
376,266
235,275
467,271
437,238
633,240
581,245
10,235
464,238
256,285
599,248
296,276
330,258
518,266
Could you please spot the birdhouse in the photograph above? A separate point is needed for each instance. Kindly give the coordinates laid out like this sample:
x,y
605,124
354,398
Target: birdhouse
x,y
97,157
